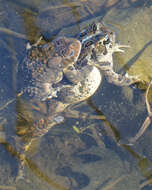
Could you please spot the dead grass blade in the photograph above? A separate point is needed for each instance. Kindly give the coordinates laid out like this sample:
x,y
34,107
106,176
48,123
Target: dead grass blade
x,y
147,121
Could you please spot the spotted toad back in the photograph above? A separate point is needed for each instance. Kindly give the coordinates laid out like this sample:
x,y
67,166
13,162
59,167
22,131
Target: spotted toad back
x,y
44,65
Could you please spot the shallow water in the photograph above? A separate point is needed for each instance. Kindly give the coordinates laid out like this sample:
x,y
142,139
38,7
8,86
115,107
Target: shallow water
x,y
80,153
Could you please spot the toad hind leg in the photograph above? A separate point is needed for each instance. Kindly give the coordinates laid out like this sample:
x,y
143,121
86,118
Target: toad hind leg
x,y
71,113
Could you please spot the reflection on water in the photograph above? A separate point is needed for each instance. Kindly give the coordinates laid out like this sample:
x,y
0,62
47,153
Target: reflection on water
x,y
85,151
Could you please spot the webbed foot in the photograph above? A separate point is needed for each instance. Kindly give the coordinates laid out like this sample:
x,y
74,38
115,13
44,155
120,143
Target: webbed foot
x,y
116,48
132,79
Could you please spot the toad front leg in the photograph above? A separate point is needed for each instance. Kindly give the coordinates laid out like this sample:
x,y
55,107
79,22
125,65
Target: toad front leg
x,y
106,68
117,79
105,63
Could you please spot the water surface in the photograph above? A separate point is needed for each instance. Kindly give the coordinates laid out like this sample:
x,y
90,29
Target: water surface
x,y
92,156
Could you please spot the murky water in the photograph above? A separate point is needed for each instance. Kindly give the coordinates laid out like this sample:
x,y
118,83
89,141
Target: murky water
x,y
88,153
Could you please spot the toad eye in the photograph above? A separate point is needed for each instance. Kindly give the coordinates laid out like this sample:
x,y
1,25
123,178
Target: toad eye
x,y
59,42
106,40
62,52
71,53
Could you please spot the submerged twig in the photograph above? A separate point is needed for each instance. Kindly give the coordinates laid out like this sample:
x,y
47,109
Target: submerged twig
x,y
145,183
6,104
10,32
113,183
70,4
147,121
10,101
147,102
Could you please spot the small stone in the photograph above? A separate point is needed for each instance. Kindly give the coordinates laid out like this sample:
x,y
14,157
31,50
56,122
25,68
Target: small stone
x,y
59,119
